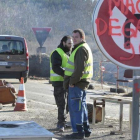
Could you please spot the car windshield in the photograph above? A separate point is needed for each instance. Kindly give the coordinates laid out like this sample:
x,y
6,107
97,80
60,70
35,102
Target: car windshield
x,y
11,47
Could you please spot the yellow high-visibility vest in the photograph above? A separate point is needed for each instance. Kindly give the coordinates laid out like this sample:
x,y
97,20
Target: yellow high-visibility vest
x,y
64,57
88,71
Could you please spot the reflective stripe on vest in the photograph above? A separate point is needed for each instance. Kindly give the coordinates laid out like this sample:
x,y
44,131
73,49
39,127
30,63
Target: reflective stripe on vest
x,y
88,71
71,63
54,74
64,57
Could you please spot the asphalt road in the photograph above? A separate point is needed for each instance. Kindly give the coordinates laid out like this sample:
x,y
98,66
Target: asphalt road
x,y
42,109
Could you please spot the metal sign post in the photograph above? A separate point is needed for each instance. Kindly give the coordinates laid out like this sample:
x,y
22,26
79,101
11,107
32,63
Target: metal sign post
x,y
102,69
135,105
117,76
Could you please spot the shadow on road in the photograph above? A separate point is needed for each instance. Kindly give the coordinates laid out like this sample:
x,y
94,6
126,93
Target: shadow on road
x,y
14,82
8,111
103,136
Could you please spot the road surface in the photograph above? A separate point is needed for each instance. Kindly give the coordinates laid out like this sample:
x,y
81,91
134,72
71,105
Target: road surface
x,y
42,109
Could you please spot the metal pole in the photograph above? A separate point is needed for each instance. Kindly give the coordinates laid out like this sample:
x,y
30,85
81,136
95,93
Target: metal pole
x,y
130,117
101,73
103,111
135,104
102,78
94,113
121,117
117,76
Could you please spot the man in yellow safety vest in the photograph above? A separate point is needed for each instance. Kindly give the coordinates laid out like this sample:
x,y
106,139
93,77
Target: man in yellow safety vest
x,y
78,73
58,60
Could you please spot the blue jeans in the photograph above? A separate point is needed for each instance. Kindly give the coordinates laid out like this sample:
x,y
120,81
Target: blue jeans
x,y
78,110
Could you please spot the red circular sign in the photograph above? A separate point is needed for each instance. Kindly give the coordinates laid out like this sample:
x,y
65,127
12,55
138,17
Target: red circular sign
x,y
116,28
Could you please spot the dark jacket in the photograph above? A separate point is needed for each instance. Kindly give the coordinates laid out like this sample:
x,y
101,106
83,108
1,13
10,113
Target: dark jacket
x,y
56,61
80,59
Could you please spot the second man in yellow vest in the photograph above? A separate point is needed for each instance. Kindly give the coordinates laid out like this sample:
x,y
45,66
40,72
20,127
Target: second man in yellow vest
x,y
58,60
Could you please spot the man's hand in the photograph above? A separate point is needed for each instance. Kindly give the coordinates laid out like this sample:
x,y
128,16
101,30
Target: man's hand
x,y
71,85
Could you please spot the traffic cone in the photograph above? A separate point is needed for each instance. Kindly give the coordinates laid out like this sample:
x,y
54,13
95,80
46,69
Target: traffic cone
x,y
21,99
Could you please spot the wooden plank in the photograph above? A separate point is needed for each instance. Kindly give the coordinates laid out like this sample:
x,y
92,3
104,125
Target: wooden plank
x,y
114,100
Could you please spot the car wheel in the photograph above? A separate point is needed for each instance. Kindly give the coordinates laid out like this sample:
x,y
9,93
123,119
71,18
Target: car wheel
x,y
25,79
50,82
0,106
13,104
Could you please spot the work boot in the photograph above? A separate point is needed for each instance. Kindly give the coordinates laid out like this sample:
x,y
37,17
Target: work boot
x,y
86,129
87,134
67,125
60,128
